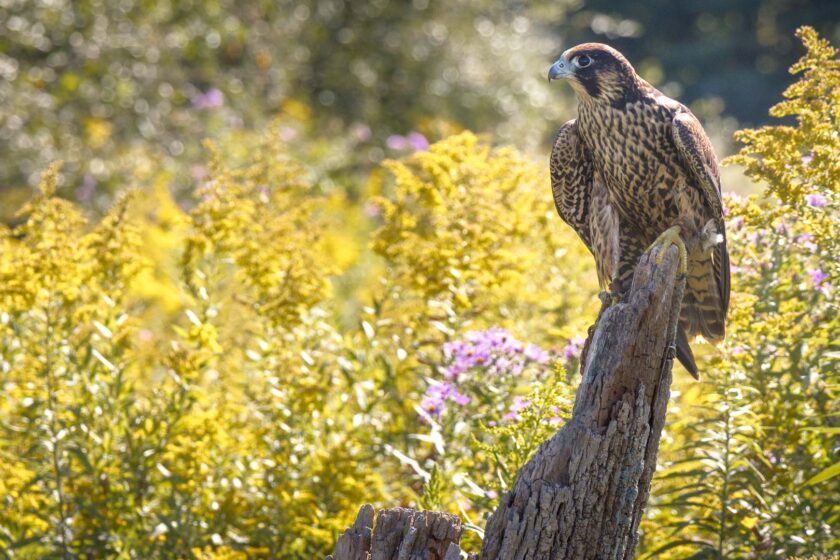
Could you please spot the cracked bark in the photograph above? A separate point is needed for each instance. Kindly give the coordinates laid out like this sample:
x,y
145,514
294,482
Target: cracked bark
x,y
400,534
583,494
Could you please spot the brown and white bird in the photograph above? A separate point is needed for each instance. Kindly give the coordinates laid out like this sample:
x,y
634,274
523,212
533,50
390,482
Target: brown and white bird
x,y
636,168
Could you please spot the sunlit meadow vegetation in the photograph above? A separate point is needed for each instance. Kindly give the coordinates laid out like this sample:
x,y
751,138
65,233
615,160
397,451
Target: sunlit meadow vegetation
x,y
199,383
107,85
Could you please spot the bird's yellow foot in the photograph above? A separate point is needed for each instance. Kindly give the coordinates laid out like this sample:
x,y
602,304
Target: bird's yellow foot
x,y
671,236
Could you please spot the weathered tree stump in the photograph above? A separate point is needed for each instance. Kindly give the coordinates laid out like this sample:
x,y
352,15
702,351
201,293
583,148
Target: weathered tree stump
x,y
583,494
400,534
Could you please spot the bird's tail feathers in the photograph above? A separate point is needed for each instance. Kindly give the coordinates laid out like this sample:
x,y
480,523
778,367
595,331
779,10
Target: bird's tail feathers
x,y
685,355
706,295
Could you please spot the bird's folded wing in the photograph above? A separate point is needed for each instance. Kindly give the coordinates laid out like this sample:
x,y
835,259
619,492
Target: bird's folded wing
x,y
698,156
571,180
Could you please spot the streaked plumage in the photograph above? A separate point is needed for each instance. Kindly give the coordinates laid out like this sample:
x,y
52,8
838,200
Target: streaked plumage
x,y
583,201
634,164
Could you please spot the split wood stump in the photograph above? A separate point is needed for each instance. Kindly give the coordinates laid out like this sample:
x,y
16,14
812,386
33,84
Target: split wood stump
x,y
583,493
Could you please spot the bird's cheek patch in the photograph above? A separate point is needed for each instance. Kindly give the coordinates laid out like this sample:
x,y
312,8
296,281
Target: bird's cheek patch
x,y
579,88
590,85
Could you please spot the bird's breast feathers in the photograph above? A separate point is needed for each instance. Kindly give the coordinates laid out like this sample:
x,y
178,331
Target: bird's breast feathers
x,y
633,152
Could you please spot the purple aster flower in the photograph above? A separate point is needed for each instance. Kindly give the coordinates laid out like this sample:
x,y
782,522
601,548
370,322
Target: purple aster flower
x,y
555,420
495,350
503,363
453,371
432,406
491,494
818,277
738,223
433,400
436,396
454,348
489,337
485,345
536,354
478,356
212,99
519,403
807,241
573,348
438,393
397,142
464,356
756,238
816,200
418,142
460,399
806,159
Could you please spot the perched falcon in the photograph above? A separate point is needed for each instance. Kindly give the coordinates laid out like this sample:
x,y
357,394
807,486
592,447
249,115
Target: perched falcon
x,y
636,168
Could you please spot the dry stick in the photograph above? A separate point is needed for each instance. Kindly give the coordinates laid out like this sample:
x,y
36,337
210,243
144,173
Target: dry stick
x,y
583,494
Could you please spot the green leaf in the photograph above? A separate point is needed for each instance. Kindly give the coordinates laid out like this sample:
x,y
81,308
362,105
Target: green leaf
x,y
675,544
823,430
830,472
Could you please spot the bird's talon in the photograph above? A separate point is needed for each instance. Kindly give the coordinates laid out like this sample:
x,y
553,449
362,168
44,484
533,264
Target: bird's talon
x,y
671,236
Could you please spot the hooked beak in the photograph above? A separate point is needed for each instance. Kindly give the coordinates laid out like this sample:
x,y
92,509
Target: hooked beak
x,y
560,69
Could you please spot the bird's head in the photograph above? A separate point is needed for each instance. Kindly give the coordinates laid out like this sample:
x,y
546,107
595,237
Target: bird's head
x,y
597,73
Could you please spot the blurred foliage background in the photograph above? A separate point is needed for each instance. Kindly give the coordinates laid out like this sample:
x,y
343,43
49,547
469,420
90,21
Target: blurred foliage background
x,y
221,348
109,85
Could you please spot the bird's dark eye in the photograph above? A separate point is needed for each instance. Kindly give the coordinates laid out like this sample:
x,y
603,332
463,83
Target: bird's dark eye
x,y
583,61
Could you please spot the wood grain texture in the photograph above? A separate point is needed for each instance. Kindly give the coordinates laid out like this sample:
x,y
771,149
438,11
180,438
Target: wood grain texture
x,y
584,492
400,534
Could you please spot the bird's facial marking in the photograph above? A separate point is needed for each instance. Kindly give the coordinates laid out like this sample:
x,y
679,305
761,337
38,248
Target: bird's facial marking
x,y
595,71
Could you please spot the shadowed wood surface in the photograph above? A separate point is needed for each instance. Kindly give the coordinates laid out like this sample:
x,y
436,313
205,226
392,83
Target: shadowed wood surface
x,y
400,534
583,494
